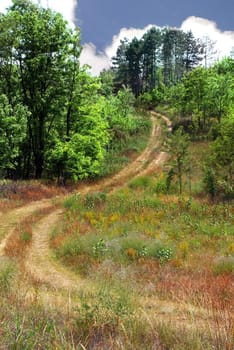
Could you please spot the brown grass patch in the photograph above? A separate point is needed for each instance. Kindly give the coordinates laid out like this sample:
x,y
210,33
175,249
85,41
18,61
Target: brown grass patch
x,y
21,237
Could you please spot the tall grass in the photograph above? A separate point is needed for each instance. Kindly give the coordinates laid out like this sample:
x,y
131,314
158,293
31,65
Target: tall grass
x,y
157,246
123,150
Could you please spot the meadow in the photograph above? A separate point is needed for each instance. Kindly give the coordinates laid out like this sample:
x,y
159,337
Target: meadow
x,y
163,260
154,271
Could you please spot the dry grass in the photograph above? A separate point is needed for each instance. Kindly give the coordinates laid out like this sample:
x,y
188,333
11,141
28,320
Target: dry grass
x,y
141,297
14,194
21,237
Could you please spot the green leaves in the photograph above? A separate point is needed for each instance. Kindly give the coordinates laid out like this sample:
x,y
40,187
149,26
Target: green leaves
x,y
177,145
12,133
222,155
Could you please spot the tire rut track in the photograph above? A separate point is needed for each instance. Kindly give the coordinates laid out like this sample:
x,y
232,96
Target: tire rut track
x,y
39,263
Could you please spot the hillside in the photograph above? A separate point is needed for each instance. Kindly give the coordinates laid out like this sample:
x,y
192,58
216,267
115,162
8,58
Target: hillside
x,y
116,191
122,265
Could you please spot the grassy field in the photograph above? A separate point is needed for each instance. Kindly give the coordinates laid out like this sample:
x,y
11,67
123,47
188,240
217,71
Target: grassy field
x,y
162,265
156,271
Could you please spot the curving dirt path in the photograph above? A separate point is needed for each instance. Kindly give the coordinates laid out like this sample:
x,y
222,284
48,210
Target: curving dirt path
x,y
38,263
55,286
10,219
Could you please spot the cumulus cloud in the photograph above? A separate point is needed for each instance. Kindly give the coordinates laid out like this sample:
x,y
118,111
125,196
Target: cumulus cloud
x,y
102,60
96,60
129,33
66,8
200,27
4,4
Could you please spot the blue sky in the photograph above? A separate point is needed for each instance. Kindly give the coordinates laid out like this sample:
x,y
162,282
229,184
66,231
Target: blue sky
x,y
101,19
104,23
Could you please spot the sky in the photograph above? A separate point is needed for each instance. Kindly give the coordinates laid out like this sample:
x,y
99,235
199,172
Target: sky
x,y
104,23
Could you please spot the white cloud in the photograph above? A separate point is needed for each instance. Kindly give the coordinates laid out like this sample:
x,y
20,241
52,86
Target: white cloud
x,y
96,60
4,4
102,60
200,27
66,8
129,33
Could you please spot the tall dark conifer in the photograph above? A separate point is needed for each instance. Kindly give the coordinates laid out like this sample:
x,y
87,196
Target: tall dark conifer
x,y
151,58
134,59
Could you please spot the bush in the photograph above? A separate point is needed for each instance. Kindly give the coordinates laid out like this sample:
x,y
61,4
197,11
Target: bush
x,y
141,182
94,199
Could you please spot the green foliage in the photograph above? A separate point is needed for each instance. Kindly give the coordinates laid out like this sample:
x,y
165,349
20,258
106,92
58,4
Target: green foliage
x,y
204,97
156,185
100,248
161,185
12,134
40,53
210,182
52,109
221,161
25,236
177,145
70,248
94,200
7,274
164,255
160,55
141,182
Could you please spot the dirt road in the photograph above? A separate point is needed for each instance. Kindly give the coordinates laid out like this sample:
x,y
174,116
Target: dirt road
x,y
38,262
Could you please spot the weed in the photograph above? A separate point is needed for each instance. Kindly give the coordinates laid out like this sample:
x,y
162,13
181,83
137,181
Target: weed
x,y
7,274
100,248
70,247
94,199
26,236
164,255
141,182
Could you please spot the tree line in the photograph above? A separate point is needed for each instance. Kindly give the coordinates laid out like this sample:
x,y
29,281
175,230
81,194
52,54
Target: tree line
x,y
55,119
201,106
168,69
58,121
160,56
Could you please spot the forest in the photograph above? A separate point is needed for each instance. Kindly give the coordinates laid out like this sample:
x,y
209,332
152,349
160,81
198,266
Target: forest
x,y
55,118
59,122
116,191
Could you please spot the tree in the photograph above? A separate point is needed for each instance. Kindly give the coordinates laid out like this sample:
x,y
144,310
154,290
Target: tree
x,y
41,53
134,59
151,58
120,66
193,52
221,86
82,155
177,146
195,100
107,82
12,135
222,156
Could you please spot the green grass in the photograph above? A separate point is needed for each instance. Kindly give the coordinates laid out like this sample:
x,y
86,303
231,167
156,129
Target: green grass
x,y
155,245
123,151
160,269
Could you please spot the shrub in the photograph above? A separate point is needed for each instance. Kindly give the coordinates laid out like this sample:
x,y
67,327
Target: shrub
x,y
161,185
94,199
71,246
141,182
